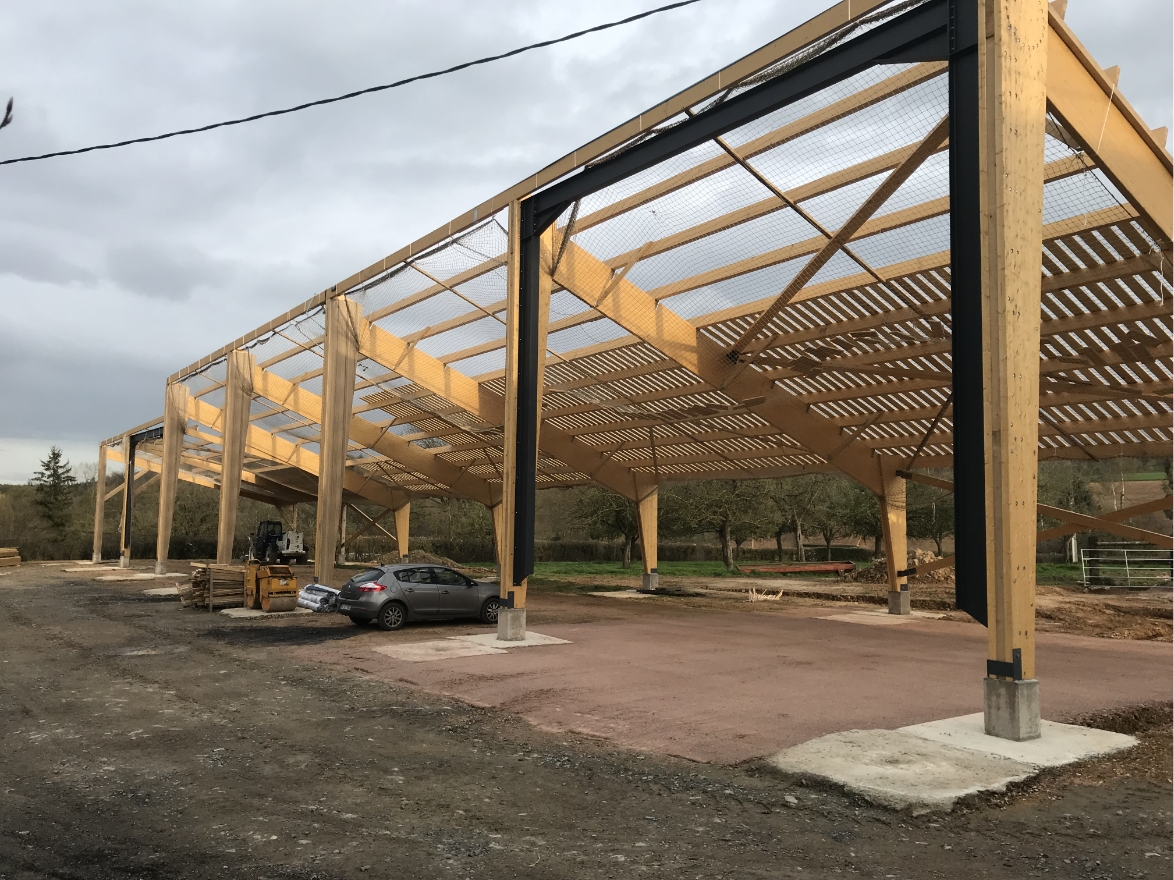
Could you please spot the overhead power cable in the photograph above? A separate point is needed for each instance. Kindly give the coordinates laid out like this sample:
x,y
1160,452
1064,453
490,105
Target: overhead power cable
x,y
349,95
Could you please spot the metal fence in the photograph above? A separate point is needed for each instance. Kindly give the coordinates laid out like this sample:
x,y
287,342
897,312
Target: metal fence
x,y
1121,565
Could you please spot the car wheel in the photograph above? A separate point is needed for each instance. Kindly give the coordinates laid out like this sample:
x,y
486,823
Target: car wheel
x,y
491,609
393,615
359,621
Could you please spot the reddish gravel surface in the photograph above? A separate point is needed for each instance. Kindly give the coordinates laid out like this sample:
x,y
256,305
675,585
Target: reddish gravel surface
x,y
662,675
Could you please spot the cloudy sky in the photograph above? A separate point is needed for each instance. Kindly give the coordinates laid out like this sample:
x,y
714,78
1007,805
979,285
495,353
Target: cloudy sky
x,y
118,268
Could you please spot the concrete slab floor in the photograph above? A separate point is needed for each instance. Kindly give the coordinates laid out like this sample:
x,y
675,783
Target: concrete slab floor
x,y
1059,744
253,613
881,618
531,639
899,770
931,766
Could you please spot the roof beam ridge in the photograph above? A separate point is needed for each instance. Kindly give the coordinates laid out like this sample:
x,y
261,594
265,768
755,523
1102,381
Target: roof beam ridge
x,y
261,443
444,381
309,405
585,276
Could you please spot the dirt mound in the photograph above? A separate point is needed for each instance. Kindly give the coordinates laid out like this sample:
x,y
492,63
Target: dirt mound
x,y
878,574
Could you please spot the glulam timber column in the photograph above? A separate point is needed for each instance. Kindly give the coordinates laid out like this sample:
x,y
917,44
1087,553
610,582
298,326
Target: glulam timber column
x,y
403,516
128,458
100,502
997,107
175,422
497,514
342,536
338,392
646,515
527,312
893,529
238,398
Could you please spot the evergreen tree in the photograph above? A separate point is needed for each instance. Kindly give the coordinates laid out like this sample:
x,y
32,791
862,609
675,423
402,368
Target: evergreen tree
x,y
54,482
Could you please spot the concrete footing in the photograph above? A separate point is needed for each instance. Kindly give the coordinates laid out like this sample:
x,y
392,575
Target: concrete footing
x,y
124,562
511,625
899,602
931,766
650,582
1011,709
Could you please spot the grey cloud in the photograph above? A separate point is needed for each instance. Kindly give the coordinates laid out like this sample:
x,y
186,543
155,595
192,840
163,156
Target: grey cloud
x,y
34,261
163,270
217,233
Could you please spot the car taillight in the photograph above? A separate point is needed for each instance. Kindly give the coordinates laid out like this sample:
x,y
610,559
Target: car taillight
x,y
372,588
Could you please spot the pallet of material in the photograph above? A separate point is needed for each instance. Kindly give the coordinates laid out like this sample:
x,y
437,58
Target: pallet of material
x,y
9,556
214,586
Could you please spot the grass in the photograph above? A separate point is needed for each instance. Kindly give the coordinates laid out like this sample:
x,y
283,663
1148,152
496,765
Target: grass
x,y
1061,573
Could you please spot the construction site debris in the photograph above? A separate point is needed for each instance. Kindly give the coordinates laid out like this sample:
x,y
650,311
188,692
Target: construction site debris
x,y
214,586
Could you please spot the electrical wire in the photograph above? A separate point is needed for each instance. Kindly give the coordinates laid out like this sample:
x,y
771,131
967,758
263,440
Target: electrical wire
x,y
360,92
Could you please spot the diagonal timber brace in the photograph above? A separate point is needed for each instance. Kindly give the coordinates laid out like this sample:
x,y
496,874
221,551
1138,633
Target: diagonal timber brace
x,y
585,276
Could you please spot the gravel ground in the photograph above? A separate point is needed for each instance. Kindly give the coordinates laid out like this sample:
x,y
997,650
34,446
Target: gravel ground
x,y
143,741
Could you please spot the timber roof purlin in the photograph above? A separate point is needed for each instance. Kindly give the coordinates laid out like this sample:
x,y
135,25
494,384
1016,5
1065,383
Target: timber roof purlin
x,y
704,243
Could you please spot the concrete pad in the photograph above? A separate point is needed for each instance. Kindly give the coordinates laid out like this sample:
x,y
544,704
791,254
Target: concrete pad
x,y
1058,744
92,568
900,770
870,618
162,591
532,639
442,649
621,594
245,613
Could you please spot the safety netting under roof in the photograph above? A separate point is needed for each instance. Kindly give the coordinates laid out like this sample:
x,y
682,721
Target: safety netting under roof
x,y
713,235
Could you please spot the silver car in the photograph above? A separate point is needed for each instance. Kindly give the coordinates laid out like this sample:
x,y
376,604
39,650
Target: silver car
x,y
391,595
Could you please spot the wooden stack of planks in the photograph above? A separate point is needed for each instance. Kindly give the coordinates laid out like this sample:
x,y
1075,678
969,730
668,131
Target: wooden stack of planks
x,y
214,586
9,556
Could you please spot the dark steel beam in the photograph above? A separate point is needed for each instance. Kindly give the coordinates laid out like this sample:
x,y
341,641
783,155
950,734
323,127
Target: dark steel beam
x,y
970,537
909,36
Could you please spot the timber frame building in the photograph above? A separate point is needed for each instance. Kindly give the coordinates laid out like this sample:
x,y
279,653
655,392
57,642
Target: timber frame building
x,y
905,235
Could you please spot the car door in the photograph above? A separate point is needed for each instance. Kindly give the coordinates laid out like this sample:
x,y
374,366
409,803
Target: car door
x,y
458,595
421,593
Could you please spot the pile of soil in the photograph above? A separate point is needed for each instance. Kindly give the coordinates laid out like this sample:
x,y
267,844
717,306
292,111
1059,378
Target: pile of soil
x,y
877,573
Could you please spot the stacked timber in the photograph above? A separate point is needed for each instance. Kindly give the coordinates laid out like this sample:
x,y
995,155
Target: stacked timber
x,y
214,586
9,556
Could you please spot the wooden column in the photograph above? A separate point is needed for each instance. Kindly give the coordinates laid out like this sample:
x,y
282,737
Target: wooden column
x,y
893,528
338,391
1012,62
175,421
342,536
99,502
497,513
403,517
127,501
238,398
646,514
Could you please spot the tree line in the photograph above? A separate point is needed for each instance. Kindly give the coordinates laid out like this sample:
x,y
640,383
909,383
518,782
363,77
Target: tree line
x,y
825,507
52,517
